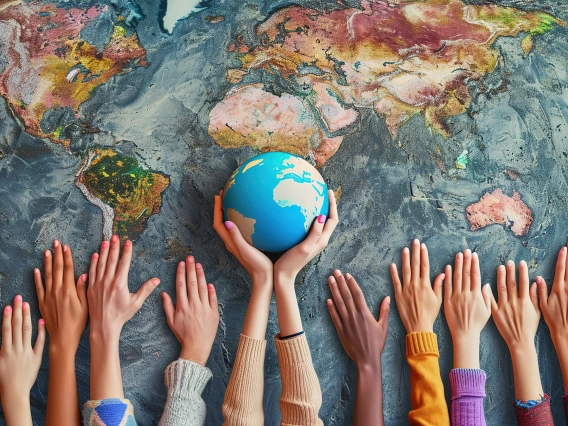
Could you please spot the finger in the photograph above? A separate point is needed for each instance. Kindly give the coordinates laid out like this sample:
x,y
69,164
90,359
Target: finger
x,y
93,269
101,264
125,261
560,275
68,270
181,286
358,296
82,290
40,339
458,273
113,254
191,277
48,270
542,291
344,290
395,281
475,273
201,284
523,279
448,286
335,318
533,294
424,263
169,309
502,293
241,248
220,227
466,274
17,322
338,299
143,292
314,235
39,286
438,284
494,305
27,325
415,260
486,293
512,292
213,298
333,217
57,265
406,270
385,312
7,328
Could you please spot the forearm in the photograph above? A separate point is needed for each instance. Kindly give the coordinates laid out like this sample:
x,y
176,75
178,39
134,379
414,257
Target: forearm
x,y
62,400
256,319
288,311
106,378
17,411
526,373
561,346
369,397
466,351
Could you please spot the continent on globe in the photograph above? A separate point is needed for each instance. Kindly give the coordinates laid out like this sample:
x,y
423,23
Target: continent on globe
x,y
498,208
399,58
126,193
46,64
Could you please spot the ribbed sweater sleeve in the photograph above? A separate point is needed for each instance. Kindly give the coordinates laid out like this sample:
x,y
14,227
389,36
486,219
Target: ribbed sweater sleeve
x,y
468,391
244,396
301,394
539,414
427,399
108,412
185,381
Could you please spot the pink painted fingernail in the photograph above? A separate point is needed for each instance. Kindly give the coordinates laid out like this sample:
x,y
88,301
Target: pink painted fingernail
x,y
190,259
128,243
114,238
7,309
41,321
84,277
18,298
229,225
95,255
25,305
65,247
104,244
56,243
321,218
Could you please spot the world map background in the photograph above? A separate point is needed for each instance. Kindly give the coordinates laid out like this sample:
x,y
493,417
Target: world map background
x,y
391,191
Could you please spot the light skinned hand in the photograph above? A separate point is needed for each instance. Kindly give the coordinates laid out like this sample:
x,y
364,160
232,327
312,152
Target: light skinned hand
x,y
19,362
467,308
195,318
362,336
290,263
63,305
111,304
417,302
253,260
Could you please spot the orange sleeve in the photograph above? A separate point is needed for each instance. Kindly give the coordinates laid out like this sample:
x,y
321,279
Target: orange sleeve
x,y
429,407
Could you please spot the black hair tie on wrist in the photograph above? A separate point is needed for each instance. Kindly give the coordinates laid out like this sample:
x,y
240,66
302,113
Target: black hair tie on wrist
x,y
292,335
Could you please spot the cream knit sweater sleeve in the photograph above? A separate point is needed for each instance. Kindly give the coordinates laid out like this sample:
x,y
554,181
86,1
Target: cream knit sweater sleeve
x,y
301,394
245,392
185,381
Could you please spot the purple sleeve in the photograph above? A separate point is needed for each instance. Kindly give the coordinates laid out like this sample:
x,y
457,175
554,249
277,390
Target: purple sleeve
x,y
468,392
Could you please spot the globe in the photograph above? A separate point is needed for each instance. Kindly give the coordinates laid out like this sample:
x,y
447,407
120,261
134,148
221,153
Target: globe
x,y
274,198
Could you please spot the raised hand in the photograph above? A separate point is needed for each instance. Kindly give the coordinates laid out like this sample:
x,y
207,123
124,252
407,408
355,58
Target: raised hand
x,y
19,362
63,305
467,308
195,318
417,302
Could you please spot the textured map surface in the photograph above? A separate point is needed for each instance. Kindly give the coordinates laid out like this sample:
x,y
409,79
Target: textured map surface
x,y
444,120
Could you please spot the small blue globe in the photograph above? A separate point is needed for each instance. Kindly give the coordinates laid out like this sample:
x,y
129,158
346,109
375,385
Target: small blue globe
x,y
274,198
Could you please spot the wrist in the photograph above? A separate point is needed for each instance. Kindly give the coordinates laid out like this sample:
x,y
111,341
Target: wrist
x,y
521,351
466,351
369,369
104,338
420,328
283,277
189,355
62,352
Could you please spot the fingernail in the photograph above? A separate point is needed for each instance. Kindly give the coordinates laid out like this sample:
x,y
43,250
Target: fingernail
x,y
190,259
522,263
539,280
41,321
95,255
348,276
423,245
128,243
510,263
65,247
563,249
7,309
47,253
36,271
25,305
114,238
388,300
84,277
181,264
210,287
416,241
337,272
18,298
198,266
104,244
56,243
321,218
155,281
405,250
229,225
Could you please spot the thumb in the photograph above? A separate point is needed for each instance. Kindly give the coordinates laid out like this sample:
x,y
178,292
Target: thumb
x,y
168,308
315,232
385,311
143,292
486,293
82,290
542,291
40,340
243,246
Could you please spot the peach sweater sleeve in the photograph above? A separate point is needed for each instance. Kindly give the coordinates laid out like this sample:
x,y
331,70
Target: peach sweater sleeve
x,y
429,407
243,404
301,394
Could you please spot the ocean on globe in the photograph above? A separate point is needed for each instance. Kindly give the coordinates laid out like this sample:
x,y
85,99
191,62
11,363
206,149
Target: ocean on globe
x,y
274,198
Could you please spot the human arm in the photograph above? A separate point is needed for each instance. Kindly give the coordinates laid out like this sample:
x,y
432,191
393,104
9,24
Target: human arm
x,y
418,304
194,321
19,362
63,306
467,308
243,403
363,338
111,305
301,394
517,316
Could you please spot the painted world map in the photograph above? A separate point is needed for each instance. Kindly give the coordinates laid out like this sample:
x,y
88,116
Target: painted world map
x,y
444,120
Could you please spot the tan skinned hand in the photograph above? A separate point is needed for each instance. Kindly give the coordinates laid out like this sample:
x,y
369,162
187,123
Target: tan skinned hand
x,y
195,318
291,262
362,336
417,302
63,305
111,304
554,306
